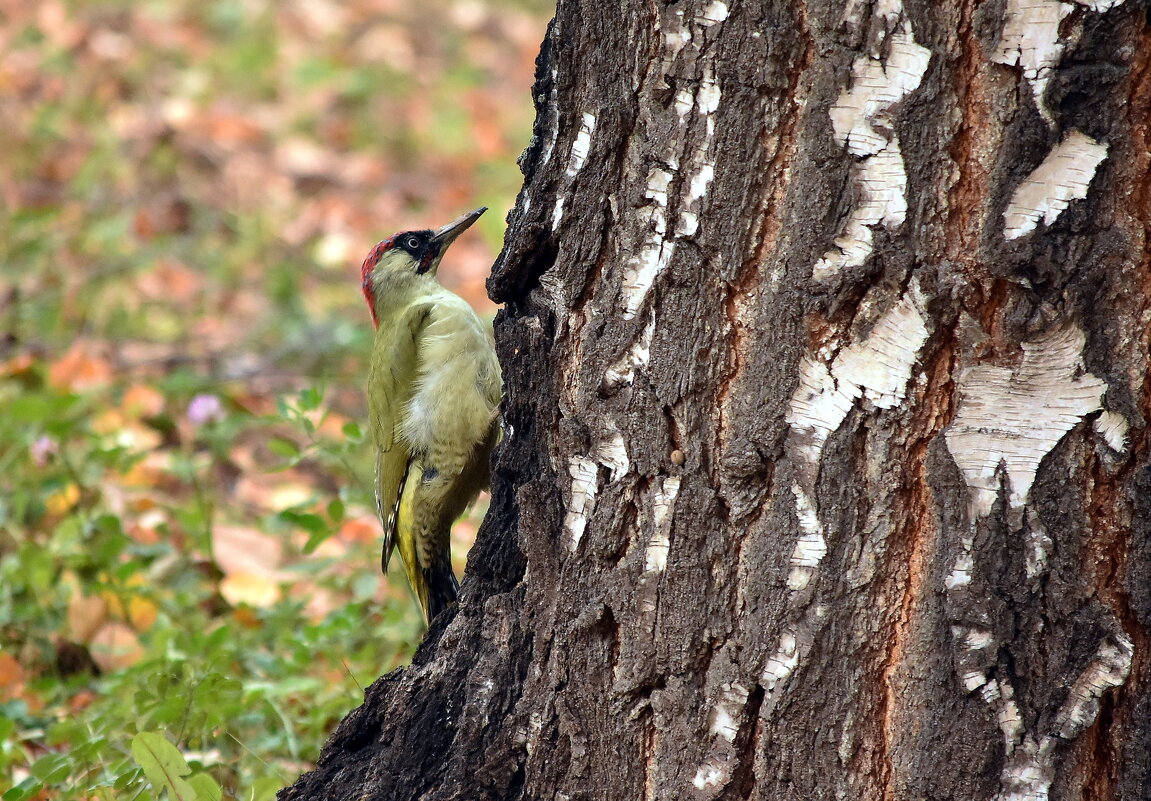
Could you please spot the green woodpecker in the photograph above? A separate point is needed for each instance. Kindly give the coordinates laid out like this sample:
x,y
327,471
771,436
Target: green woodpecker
x,y
433,393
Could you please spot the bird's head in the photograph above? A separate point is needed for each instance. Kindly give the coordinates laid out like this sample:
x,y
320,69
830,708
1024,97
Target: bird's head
x,y
409,256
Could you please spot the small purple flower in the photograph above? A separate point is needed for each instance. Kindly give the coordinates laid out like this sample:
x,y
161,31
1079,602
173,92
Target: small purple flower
x,y
43,449
205,409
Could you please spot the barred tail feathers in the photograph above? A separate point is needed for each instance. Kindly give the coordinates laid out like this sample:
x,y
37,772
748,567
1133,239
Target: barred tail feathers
x,y
435,586
442,589
390,522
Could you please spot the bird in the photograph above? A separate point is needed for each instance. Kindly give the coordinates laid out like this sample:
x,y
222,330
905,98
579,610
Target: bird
x,y
433,394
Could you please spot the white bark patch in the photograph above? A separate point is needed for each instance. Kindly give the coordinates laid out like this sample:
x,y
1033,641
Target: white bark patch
x,y
1029,768
622,373
688,224
1011,417
1113,428
684,103
582,499
862,123
1110,668
725,714
582,145
880,366
885,12
1030,40
973,679
811,546
658,181
877,368
554,133
558,213
716,11
655,557
722,723
877,85
1008,717
882,184
675,41
976,639
960,574
817,408
700,182
1039,545
990,692
655,251
782,663
707,97
1064,176
612,454
708,775
640,272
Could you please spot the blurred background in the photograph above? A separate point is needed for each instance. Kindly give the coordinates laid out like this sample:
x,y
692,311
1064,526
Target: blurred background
x,y
188,549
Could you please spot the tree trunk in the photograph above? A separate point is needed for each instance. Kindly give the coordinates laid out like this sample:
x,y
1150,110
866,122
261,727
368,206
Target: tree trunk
x,y
825,472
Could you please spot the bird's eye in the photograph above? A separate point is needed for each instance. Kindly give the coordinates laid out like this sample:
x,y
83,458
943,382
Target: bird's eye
x,y
412,243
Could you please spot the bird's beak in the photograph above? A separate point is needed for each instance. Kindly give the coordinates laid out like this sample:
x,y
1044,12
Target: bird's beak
x,y
446,235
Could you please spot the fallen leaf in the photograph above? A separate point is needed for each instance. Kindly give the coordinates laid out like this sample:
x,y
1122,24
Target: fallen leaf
x,y
62,500
240,549
360,529
17,365
86,614
115,646
11,676
79,370
81,700
142,401
250,589
171,281
246,616
153,472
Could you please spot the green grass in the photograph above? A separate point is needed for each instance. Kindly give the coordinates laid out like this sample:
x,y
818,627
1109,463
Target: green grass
x,y
187,547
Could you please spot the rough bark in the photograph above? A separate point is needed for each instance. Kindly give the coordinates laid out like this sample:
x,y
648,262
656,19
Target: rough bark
x,y
825,473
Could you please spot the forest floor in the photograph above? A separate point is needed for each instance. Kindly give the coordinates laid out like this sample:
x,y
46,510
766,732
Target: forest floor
x,y
189,558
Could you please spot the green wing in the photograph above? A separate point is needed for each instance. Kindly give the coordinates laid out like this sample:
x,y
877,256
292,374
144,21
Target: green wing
x,y
391,376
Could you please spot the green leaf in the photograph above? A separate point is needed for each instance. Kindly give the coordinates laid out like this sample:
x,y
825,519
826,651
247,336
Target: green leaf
x,y
265,788
311,523
283,447
317,528
310,399
353,431
51,768
315,539
164,766
206,787
25,789
39,408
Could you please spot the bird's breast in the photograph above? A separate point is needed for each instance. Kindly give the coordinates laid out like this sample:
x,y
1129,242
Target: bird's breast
x,y
452,402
